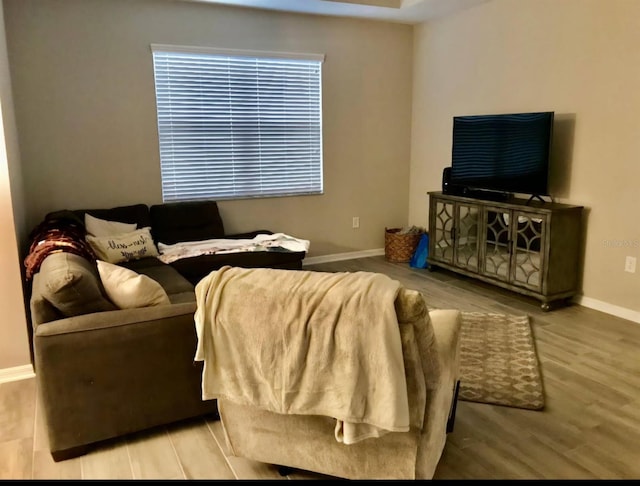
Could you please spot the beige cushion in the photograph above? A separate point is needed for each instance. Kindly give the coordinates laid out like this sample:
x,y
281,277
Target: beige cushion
x,y
128,289
71,284
102,227
124,247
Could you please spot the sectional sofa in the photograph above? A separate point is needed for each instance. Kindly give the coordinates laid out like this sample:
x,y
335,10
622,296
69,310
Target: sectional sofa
x,y
104,371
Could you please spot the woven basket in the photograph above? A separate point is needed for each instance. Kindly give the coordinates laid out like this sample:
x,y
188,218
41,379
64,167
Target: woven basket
x,y
399,248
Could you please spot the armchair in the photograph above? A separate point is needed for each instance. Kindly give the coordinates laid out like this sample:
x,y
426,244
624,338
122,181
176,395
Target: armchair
x,y
308,441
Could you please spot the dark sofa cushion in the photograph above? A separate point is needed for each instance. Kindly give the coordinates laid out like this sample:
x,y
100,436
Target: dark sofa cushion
x,y
64,215
186,221
196,268
137,213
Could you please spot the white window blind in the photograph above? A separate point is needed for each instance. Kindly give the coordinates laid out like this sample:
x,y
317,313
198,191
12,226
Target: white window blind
x,y
236,126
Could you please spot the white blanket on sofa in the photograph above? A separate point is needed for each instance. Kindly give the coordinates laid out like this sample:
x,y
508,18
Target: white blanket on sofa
x,y
262,242
302,342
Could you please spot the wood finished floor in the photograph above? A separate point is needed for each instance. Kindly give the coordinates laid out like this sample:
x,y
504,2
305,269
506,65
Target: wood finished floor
x,y
589,429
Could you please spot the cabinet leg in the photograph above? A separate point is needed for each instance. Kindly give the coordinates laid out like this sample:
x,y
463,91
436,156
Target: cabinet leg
x,y
284,470
555,304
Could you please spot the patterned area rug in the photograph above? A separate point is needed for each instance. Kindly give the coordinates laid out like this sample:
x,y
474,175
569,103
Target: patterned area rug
x,y
498,361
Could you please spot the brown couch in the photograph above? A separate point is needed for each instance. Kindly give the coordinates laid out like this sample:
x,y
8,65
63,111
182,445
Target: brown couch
x,y
102,372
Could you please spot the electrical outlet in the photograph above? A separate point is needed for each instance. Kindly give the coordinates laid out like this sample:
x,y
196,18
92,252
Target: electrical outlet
x,y
355,222
630,264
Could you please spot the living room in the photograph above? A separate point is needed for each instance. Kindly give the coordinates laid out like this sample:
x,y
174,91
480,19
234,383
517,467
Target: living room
x,y
85,132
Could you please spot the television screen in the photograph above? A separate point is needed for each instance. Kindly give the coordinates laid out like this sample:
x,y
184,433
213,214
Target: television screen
x,y
506,152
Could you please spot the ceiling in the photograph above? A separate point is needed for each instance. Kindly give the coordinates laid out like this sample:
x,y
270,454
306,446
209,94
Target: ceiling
x,y
403,11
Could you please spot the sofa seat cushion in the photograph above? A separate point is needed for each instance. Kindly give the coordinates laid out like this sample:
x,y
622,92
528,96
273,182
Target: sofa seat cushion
x,y
71,284
178,288
186,221
138,265
196,268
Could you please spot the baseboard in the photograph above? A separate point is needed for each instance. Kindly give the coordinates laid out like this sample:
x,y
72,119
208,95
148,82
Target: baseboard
x,y
16,373
614,310
589,302
336,257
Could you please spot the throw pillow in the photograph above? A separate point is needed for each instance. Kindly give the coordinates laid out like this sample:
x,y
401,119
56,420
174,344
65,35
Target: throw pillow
x,y
128,289
102,227
124,247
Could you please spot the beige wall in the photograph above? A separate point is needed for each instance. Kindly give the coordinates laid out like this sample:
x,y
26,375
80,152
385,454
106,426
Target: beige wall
x,y
579,58
83,91
85,106
14,344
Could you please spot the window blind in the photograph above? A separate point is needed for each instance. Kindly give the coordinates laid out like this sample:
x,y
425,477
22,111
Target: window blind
x,y
236,126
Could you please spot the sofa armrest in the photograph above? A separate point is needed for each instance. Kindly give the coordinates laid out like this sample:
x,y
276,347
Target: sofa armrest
x,y
441,400
446,327
111,373
116,318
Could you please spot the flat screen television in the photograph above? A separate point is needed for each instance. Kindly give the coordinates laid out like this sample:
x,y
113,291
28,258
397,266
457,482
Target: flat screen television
x,y
504,153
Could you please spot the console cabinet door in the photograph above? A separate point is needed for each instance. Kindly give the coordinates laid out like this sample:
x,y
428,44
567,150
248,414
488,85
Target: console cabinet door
x,y
528,237
512,246
441,230
467,226
496,243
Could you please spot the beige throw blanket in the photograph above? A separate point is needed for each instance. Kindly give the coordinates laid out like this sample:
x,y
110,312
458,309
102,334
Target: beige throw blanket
x,y
311,343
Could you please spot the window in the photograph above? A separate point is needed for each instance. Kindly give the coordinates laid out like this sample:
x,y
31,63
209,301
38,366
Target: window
x,y
233,124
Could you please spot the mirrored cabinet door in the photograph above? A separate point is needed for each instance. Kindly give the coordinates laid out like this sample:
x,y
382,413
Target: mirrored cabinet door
x,y
496,243
529,234
443,232
466,236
